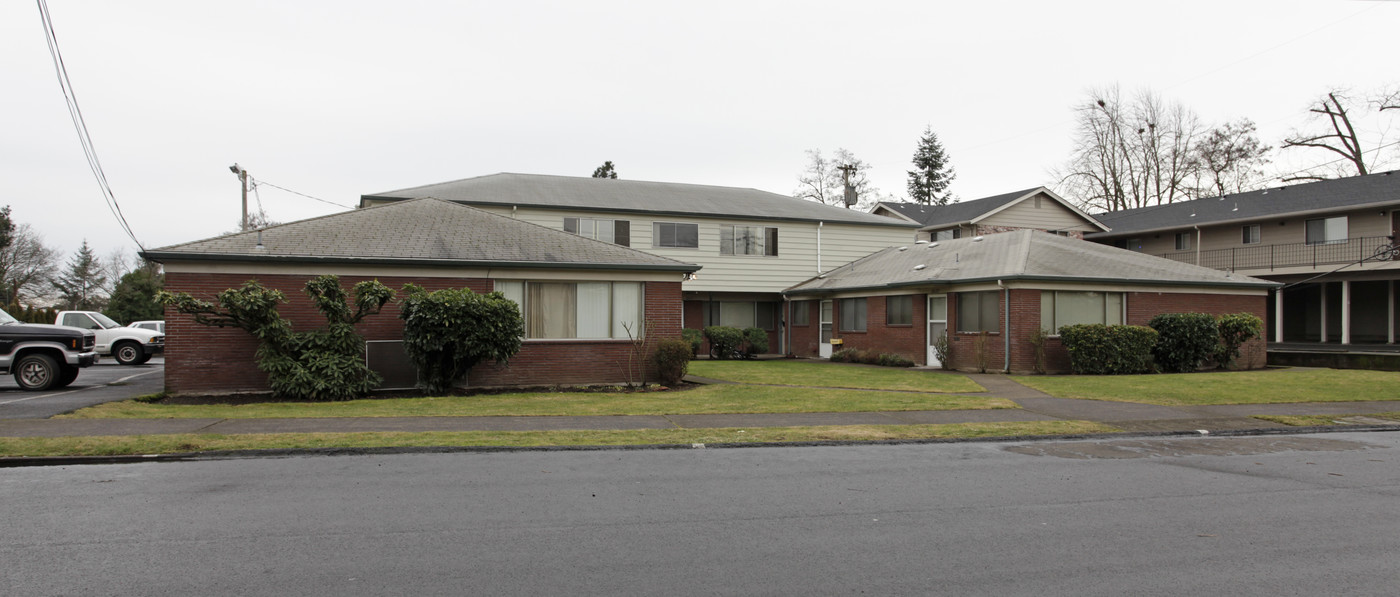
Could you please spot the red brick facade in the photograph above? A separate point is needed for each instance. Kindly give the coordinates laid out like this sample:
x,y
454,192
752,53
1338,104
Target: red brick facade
x,y
203,359
910,340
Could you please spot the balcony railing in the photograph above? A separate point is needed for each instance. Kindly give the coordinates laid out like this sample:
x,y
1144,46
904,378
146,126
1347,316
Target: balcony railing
x,y
1270,257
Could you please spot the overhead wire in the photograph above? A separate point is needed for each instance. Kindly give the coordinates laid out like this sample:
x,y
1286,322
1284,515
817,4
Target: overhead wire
x,y
70,97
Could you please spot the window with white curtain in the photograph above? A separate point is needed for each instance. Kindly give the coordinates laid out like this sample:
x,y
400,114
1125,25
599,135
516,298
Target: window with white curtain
x,y
1060,308
748,240
557,310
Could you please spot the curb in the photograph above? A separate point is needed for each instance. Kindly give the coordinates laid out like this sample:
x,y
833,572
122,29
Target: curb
x,y
38,461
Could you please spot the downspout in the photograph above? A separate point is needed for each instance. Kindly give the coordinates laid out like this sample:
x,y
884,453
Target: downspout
x,y
819,246
1198,244
1006,331
785,337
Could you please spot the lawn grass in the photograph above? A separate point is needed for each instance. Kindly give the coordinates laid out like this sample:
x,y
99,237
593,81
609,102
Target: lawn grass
x,y
833,375
1321,420
185,443
1272,386
714,399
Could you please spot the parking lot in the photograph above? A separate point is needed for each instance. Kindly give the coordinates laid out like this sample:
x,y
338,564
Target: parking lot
x,y
104,382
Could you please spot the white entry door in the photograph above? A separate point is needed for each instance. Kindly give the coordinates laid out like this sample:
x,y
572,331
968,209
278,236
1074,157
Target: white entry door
x,y
824,345
937,324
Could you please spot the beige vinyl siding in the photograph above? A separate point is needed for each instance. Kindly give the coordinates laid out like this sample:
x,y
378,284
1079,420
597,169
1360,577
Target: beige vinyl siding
x,y
797,247
1360,223
1051,215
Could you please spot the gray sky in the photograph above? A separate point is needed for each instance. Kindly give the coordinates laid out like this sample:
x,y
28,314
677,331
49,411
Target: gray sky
x,y
339,99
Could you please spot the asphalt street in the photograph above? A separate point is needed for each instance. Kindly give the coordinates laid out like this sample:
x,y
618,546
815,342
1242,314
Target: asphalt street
x,y
103,382
1262,515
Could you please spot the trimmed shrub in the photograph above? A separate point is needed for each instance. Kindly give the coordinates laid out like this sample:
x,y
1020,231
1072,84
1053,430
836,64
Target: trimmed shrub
x,y
755,342
693,337
1184,340
893,360
1235,329
1097,349
447,332
724,341
672,358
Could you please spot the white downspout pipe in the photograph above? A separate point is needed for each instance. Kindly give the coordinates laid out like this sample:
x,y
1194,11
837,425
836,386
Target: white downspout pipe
x,y
819,246
1006,330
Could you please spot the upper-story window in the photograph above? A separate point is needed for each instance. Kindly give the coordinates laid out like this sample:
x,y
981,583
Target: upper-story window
x,y
949,234
1183,241
748,240
617,232
675,235
1250,234
1324,231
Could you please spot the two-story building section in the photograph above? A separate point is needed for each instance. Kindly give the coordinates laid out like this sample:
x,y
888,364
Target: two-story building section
x,y
1035,209
1330,242
751,244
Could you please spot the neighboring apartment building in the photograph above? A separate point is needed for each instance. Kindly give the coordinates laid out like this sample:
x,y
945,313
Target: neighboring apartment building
x,y
1035,209
751,244
1328,241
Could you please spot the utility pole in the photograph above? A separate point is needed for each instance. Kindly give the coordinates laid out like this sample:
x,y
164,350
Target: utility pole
x,y
243,180
849,194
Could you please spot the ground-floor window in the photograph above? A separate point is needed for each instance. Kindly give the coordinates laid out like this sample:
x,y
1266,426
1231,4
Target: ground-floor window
x,y
899,310
741,314
977,312
1060,308
802,313
557,310
853,315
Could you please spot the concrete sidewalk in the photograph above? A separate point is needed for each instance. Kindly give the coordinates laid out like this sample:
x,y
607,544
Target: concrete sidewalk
x,y
1034,406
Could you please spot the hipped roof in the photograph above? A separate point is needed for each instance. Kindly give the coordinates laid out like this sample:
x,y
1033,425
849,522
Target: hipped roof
x,y
419,232
1019,255
632,196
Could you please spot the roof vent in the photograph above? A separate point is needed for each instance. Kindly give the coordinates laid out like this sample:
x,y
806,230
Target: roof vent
x,y
932,245
904,248
977,239
918,267
920,242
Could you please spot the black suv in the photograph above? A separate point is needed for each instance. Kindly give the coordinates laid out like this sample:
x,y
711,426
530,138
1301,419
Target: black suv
x,y
41,356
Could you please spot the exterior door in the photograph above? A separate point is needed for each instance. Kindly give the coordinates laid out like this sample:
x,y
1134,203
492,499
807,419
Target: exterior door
x,y
824,345
937,324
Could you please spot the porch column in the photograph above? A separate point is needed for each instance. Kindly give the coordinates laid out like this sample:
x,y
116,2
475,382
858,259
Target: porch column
x,y
1323,318
1278,315
1390,312
1346,312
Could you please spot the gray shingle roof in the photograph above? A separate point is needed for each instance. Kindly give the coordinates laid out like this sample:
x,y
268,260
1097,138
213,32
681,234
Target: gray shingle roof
x,y
1018,255
634,196
420,232
955,213
1357,191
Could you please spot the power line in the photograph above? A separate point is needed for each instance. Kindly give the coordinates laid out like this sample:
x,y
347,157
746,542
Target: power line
x,y
262,182
70,97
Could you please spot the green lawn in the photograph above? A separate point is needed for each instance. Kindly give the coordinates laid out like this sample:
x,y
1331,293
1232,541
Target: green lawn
x,y
1321,420
169,444
834,375
1272,386
715,399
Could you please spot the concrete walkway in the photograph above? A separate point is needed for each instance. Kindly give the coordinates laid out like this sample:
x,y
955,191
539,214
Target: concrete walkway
x,y
1034,406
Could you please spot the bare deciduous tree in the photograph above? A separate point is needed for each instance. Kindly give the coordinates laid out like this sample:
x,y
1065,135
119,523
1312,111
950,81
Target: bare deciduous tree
x,y
1336,134
26,265
1229,158
822,180
1131,155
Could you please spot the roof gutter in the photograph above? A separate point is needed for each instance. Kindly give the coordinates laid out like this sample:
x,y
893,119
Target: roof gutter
x,y
165,256
1000,279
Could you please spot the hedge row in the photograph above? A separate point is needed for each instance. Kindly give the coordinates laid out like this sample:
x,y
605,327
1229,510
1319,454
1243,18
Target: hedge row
x,y
1171,342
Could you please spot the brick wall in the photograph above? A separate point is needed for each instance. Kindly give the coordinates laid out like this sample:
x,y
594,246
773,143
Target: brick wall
x,y
203,359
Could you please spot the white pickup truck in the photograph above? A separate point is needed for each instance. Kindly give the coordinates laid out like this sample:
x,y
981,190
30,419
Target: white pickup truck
x,y
128,346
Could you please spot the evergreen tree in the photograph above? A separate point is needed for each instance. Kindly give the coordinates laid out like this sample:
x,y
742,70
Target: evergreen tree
x,y
605,171
929,180
80,283
134,298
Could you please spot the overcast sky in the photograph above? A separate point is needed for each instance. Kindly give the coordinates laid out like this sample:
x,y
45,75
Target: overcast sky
x,y
338,99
